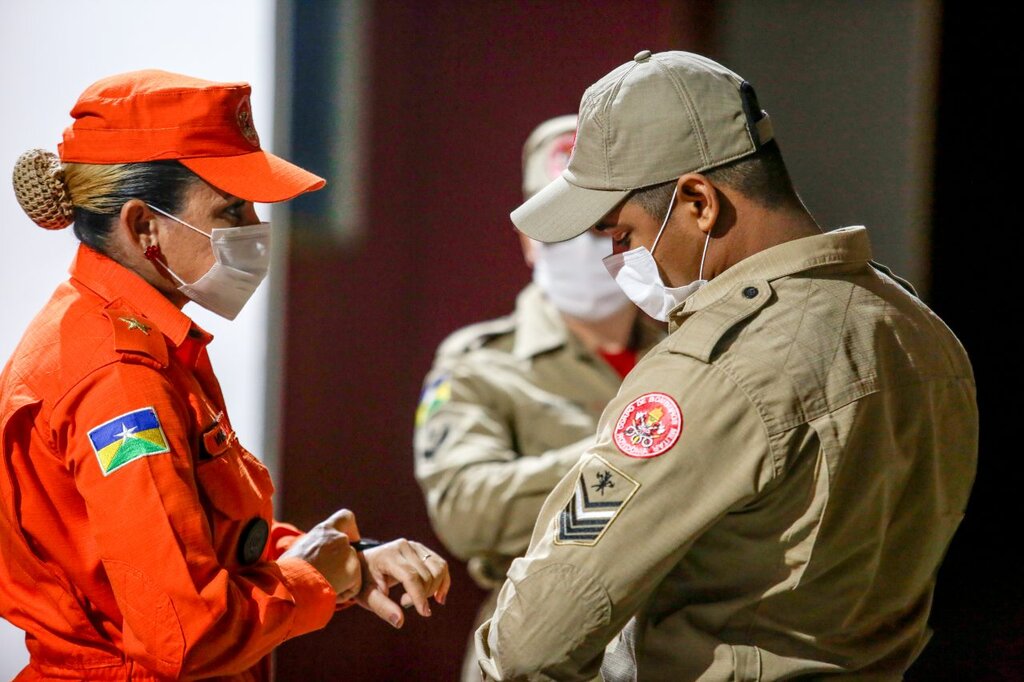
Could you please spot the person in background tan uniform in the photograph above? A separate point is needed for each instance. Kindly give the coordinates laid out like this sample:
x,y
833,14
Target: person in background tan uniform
x,y
772,490
510,404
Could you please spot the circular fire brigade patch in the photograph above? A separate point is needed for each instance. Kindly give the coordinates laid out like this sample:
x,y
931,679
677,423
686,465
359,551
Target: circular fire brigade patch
x,y
649,426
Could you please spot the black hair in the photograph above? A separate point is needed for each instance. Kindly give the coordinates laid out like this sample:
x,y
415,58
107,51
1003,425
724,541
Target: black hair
x,y
160,183
761,177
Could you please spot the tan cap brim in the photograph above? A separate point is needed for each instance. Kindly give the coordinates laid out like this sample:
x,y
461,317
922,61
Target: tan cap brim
x,y
563,210
259,176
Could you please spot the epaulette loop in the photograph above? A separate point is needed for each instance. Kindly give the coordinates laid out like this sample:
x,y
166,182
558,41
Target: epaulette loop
x,y
702,330
475,336
136,335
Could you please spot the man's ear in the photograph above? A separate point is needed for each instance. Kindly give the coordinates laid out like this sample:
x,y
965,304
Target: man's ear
x,y
138,225
698,197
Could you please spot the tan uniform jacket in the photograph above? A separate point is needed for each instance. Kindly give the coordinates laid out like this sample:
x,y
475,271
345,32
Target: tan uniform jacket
x,y
800,452
507,409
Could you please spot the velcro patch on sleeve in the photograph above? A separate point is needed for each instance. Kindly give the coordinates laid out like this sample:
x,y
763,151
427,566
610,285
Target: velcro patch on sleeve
x,y
126,438
434,396
600,495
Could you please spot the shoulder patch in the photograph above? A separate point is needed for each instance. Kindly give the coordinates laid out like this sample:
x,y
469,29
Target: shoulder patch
x,y
649,426
435,394
135,334
124,439
599,496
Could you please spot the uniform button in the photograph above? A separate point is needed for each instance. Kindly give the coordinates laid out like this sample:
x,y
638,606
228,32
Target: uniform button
x,y
750,292
642,56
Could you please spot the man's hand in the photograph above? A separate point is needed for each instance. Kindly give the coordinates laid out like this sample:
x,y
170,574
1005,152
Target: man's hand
x,y
418,569
326,547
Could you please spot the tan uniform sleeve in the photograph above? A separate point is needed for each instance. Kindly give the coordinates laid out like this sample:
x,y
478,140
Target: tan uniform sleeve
x,y
616,525
482,496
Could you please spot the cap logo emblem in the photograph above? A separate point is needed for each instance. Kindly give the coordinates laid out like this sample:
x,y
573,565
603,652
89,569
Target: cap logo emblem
x,y
245,124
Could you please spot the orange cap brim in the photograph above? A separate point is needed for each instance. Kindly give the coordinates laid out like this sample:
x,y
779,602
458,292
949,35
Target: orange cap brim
x,y
259,176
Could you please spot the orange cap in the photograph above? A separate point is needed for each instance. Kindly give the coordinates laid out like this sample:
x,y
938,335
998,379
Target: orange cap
x,y
152,115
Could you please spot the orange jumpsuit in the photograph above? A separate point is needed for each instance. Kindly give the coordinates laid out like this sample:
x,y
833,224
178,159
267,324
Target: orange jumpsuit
x,y
136,534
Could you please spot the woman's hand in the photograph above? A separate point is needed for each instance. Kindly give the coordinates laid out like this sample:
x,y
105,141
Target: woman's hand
x,y
327,548
418,569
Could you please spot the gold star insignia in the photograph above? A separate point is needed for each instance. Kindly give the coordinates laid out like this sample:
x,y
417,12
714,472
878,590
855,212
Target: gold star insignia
x,y
135,324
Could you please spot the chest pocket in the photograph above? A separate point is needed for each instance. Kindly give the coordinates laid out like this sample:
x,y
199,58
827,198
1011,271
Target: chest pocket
x,y
236,491
235,483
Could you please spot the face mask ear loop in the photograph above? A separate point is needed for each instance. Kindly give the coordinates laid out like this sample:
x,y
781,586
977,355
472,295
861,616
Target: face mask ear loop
x,y
164,266
707,241
178,220
173,274
665,221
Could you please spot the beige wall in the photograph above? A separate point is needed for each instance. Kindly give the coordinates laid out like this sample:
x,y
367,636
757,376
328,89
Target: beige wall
x,y
52,50
850,87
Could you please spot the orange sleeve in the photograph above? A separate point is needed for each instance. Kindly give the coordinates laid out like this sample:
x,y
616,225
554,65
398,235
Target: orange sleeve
x,y
185,613
282,536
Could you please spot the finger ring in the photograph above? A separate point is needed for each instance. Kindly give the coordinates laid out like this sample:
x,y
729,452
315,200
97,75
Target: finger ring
x,y
427,556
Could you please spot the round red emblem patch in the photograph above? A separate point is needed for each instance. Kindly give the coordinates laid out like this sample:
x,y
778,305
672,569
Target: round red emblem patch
x,y
649,426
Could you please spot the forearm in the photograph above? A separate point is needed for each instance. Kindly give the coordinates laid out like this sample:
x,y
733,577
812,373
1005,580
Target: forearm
x,y
564,645
617,524
250,614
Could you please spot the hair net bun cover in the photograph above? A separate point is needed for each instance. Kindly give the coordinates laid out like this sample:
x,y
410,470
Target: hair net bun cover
x,y
40,189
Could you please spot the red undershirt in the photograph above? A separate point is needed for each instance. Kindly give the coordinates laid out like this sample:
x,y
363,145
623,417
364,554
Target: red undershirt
x,y
622,362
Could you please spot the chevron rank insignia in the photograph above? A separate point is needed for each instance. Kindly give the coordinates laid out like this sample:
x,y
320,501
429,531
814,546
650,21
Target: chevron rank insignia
x,y
126,438
601,492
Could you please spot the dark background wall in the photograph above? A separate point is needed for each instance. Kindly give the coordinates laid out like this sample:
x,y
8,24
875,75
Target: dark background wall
x,y
978,615
456,87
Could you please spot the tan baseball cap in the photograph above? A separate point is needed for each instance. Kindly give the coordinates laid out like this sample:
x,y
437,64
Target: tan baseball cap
x,y
546,152
649,121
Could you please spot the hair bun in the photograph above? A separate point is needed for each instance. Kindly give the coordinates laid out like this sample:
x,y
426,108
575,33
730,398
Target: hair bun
x,y
40,189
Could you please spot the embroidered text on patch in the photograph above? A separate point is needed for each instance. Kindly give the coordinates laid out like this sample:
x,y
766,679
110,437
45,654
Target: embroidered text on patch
x,y
600,494
648,426
126,438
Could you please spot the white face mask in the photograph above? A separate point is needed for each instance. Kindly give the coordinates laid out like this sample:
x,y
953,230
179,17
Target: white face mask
x,y
571,275
242,256
636,272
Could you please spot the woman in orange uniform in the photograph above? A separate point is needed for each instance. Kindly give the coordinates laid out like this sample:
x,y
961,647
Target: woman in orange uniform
x,y
137,540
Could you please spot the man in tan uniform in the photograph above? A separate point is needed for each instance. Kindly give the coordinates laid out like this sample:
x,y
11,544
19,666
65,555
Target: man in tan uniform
x,y
512,403
773,488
